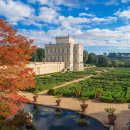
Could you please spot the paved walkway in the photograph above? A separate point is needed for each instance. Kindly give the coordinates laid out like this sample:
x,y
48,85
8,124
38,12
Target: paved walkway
x,y
95,109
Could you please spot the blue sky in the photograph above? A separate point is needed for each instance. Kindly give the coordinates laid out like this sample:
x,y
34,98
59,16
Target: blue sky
x,y
100,25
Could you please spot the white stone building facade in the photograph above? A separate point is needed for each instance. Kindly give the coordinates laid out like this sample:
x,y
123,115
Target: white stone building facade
x,y
67,51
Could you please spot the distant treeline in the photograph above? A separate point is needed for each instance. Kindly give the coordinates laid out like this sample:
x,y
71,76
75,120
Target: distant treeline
x,y
110,60
119,55
106,60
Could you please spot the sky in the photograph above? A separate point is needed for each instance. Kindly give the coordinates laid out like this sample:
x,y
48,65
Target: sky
x,y
102,26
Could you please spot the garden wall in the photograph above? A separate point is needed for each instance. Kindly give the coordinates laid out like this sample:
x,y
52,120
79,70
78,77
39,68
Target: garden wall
x,y
46,67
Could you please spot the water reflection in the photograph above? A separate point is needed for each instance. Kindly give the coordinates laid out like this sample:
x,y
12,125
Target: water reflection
x,y
45,118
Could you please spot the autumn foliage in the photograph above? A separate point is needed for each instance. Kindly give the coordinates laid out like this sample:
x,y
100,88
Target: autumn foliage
x,y
15,51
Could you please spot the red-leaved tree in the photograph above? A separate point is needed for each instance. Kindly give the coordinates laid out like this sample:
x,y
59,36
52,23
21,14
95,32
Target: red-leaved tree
x,y
15,51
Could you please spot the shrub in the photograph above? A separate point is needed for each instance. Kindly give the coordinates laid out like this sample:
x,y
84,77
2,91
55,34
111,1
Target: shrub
x,y
120,99
69,93
51,92
83,99
113,85
128,94
99,90
110,110
106,99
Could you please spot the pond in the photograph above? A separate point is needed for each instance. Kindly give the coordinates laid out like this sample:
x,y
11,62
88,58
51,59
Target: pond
x,y
45,118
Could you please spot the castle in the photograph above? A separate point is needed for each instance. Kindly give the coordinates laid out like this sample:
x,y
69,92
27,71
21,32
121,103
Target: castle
x,y
66,54
67,51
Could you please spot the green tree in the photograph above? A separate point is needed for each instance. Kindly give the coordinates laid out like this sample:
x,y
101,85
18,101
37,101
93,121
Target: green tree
x,y
34,56
92,59
103,61
40,54
85,56
115,63
112,55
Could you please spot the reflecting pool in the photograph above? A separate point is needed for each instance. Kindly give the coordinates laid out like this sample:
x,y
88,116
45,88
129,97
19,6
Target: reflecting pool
x,y
45,118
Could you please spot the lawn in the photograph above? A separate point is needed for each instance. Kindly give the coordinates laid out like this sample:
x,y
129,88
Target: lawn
x,y
115,86
44,82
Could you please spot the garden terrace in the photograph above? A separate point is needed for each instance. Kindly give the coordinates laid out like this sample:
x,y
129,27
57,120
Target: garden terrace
x,y
115,86
44,82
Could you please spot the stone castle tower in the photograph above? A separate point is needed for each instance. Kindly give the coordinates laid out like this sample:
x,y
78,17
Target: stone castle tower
x,y
67,51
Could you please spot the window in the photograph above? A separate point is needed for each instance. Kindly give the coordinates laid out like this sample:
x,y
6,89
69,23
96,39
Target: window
x,y
67,49
61,58
58,58
67,58
62,50
50,58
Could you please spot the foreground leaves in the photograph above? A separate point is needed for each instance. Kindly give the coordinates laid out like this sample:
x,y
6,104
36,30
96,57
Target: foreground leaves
x,y
15,51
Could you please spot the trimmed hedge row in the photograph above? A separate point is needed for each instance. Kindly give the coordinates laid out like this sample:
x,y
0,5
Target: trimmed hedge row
x,y
52,80
115,86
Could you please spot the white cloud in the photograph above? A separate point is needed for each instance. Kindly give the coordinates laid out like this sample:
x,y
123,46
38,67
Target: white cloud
x,y
86,14
106,37
15,11
105,2
40,37
123,14
52,3
44,2
125,1
97,37
70,21
86,8
105,20
47,14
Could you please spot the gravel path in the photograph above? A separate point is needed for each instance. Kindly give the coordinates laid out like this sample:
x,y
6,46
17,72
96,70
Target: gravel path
x,y
67,83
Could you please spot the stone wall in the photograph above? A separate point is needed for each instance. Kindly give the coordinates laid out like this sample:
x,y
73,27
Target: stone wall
x,y
47,67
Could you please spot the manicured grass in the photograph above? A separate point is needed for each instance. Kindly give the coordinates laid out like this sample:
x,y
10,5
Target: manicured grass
x,y
52,80
115,86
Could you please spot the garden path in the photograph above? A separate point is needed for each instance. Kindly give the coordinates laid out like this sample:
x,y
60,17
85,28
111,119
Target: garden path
x,y
67,83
